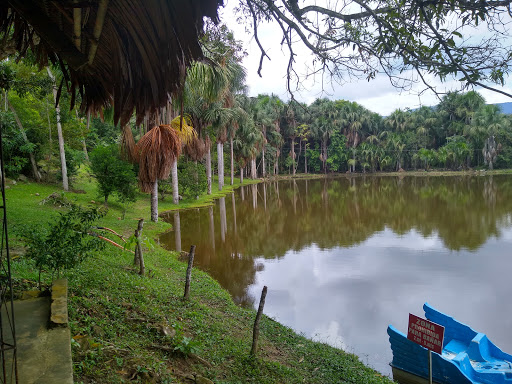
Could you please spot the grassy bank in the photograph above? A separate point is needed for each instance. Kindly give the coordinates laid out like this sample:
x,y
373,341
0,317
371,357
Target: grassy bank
x,y
129,328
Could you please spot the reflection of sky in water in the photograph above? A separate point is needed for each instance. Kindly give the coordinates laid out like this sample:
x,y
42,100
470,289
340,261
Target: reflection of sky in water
x,y
347,296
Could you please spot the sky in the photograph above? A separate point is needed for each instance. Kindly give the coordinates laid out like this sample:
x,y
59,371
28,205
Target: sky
x,y
377,95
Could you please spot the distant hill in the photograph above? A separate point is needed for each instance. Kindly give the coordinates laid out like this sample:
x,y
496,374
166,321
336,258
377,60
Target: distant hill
x,y
506,108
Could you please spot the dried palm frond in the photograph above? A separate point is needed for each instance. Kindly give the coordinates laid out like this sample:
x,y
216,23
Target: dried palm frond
x,y
155,153
139,58
196,149
184,129
128,145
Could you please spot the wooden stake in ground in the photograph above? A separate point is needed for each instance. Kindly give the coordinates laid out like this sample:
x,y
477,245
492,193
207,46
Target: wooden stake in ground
x,y
139,258
256,330
189,271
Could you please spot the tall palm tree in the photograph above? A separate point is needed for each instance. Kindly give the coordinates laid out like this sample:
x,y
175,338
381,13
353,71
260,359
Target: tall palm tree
x,y
488,121
187,134
324,120
155,153
209,94
294,113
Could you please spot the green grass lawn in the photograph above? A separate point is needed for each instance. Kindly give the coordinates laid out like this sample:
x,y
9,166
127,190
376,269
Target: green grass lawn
x,y
128,328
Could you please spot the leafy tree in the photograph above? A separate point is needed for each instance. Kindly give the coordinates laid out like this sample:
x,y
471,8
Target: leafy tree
x,y
114,175
360,39
192,178
15,148
338,152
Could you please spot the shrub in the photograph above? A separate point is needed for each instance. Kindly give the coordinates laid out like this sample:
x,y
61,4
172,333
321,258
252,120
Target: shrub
x,y
65,243
114,175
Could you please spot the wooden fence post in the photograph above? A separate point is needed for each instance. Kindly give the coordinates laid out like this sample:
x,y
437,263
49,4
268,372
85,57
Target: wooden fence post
x,y
189,271
139,258
256,330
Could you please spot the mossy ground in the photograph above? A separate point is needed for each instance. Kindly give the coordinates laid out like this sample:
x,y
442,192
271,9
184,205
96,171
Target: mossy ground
x,y
131,328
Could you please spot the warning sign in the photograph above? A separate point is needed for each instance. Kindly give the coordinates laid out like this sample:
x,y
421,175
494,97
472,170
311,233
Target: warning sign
x,y
425,333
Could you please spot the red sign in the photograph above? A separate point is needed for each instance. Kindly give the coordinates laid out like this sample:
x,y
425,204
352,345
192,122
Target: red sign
x,y
425,333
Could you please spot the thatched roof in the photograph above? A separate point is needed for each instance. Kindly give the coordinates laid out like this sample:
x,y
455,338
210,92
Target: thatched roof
x,y
132,53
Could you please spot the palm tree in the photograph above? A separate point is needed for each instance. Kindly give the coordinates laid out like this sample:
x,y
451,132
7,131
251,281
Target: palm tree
x,y
324,115
355,120
488,121
209,94
187,134
203,91
155,153
294,118
247,142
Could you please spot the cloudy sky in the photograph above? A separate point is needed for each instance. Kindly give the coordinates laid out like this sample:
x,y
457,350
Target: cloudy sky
x,y
377,95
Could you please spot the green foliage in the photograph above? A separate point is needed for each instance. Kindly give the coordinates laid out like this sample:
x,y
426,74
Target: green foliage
x,y
101,133
66,243
73,160
338,152
114,175
313,155
132,241
15,148
186,345
24,78
191,178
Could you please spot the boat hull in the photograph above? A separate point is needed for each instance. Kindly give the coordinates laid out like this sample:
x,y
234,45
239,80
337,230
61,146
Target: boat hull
x,y
403,377
468,357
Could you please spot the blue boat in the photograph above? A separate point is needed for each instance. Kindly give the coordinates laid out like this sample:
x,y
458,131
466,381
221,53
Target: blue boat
x,y
467,356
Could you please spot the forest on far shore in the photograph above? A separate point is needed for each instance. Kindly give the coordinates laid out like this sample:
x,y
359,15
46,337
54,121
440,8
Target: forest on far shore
x,y
264,135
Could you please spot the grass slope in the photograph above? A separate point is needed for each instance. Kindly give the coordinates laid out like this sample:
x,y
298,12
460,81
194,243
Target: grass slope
x,y
129,328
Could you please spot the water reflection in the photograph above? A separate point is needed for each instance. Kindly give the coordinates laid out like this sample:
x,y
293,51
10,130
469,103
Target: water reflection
x,y
177,231
345,257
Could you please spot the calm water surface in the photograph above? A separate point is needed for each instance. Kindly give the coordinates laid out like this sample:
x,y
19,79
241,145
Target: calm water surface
x,y
345,257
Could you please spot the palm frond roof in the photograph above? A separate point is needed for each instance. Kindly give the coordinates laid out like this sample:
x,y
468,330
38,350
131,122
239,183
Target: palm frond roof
x,y
131,54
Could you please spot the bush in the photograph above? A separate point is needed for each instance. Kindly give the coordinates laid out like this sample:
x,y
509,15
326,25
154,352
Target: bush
x,y
114,175
66,243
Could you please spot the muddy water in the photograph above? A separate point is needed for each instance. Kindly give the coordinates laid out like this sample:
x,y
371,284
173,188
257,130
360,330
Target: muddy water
x,y
345,257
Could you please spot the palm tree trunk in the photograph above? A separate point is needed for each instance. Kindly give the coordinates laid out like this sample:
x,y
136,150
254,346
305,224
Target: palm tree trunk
x,y
64,169
263,161
241,175
175,186
293,156
232,162
33,163
305,159
253,168
220,164
209,168
154,202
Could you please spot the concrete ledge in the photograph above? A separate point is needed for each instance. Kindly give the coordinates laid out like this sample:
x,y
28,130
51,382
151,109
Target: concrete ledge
x,y
59,307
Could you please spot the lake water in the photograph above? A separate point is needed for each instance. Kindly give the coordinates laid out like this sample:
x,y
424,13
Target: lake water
x,y
344,257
